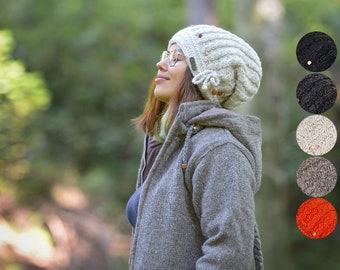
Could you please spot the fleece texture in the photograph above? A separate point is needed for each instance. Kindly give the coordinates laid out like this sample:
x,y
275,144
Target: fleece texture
x,y
196,208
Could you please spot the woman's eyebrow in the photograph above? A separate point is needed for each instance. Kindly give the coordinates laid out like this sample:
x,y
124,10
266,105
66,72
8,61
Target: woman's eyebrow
x,y
176,50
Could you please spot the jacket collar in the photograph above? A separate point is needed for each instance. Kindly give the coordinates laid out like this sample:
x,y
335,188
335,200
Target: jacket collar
x,y
188,111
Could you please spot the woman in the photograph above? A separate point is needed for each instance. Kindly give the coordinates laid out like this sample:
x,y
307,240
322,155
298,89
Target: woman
x,y
201,165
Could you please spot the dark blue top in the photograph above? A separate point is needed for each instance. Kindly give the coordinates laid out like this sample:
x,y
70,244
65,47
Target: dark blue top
x,y
152,148
132,206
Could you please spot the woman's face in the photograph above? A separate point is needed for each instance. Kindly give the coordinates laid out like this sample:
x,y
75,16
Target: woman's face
x,y
171,70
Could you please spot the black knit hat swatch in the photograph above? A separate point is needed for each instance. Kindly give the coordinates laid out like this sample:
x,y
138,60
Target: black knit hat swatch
x,y
316,93
316,51
316,177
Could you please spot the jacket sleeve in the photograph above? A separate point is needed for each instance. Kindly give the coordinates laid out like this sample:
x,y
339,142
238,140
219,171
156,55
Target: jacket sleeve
x,y
223,199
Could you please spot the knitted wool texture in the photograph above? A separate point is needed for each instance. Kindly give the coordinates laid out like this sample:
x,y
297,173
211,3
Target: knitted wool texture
x,y
225,68
316,93
316,176
316,218
316,135
316,51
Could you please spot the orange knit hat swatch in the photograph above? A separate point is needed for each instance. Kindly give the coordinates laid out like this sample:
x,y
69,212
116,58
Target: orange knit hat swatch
x,y
316,218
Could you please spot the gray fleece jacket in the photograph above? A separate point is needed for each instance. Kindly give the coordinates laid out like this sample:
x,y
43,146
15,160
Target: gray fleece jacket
x,y
196,209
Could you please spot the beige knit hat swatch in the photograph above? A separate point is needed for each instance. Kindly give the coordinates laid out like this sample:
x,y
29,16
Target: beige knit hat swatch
x,y
224,67
316,135
316,177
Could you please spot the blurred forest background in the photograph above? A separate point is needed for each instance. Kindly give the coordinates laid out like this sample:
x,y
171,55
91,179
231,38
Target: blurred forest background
x,y
72,75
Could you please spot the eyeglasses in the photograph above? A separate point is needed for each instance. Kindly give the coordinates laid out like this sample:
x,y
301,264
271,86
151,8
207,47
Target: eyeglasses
x,y
172,57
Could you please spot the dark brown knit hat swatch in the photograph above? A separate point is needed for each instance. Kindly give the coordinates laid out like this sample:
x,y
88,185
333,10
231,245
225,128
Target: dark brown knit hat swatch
x,y
316,177
316,51
316,93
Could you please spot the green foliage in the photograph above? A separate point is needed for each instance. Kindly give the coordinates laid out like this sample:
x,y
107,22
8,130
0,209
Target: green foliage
x,y
98,59
21,94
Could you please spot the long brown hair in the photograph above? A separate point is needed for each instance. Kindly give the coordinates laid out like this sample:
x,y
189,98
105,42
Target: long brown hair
x,y
155,109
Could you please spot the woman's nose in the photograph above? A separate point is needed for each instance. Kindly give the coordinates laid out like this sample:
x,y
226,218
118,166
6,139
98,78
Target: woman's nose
x,y
162,64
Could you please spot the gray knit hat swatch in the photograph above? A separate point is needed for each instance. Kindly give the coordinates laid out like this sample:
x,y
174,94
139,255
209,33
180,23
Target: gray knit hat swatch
x,y
316,51
224,67
316,177
316,135
316,93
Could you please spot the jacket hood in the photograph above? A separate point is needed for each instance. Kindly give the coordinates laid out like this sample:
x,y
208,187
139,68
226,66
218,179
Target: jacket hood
x,y
245,128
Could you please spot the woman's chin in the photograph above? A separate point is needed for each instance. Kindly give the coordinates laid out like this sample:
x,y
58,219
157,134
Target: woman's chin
x,y
160,96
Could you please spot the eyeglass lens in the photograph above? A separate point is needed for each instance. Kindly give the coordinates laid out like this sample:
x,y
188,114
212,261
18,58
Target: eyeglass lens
x,y
171,57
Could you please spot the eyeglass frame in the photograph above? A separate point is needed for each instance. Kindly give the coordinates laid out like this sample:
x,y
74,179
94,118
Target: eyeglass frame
x,y
172,57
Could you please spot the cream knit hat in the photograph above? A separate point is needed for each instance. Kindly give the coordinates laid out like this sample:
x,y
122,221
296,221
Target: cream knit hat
x,y
225,68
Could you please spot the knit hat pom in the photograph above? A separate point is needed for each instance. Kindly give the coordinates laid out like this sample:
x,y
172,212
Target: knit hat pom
x,y
225,68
